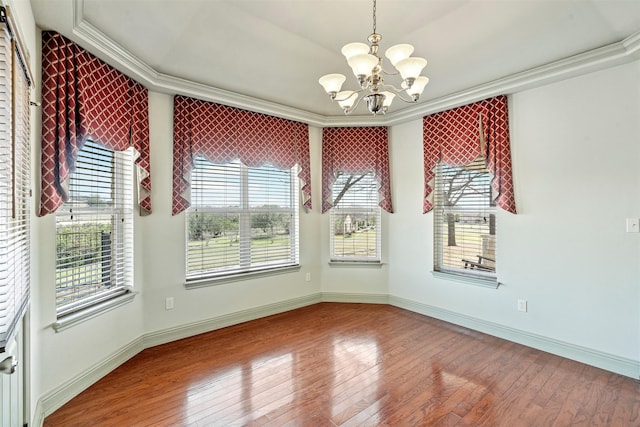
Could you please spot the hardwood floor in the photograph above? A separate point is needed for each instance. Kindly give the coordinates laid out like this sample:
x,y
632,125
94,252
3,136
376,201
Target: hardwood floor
x,y
352,365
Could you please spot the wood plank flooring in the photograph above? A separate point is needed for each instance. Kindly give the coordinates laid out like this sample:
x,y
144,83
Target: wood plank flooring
x,y
335,364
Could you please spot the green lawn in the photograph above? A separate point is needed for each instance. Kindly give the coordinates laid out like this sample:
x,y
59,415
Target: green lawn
x,y
361,244
224,251
90,275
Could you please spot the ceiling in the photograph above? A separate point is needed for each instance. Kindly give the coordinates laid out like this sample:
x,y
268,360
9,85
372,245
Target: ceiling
x,y
268,54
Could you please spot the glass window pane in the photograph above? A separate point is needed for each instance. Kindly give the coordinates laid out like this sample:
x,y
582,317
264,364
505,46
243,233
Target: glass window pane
x,y
355,218
465,220
94,230
240,219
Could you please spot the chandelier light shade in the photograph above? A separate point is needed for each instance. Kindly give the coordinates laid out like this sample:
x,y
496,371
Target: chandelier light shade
x,y
398,52
346,99
367,67
332,83
417,87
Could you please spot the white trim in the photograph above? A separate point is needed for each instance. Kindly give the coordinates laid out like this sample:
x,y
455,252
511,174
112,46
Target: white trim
x,y
91,38
355,264
92,311
183,331
237,277
490,283
38,415
355,298
54,399
599,359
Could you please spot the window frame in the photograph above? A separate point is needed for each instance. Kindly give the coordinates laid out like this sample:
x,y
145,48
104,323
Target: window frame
x,y
121,240
473,275
245,268
337,210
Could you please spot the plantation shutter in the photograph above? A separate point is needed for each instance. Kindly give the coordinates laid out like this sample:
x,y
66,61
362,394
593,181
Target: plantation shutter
x,y
94,230
464,220
14,183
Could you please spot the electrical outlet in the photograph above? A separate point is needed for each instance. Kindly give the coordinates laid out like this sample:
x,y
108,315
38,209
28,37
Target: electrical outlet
x,y
308,277
522,305
168,303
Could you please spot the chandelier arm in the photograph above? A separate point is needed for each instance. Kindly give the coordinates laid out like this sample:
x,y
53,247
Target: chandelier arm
x,y
396,73
353,107
354,93
398,93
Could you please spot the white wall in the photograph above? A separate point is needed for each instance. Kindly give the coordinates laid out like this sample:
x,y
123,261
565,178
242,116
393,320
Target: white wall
x,y
164,251
576,157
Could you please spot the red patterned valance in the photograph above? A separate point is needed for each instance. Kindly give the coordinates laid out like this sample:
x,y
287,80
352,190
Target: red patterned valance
x,y
458,136
222,134
355,150
83,98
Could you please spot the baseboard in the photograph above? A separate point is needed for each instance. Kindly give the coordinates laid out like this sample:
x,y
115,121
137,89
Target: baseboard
x,y
54,399
37,419
183,331
355,297
599,359
57,397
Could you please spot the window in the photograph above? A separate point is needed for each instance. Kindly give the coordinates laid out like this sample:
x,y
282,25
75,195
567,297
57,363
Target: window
x,y
241,219
355,218
465,221
15,184
94,230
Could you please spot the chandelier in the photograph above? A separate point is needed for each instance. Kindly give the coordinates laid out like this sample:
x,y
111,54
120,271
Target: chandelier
x,y
367,66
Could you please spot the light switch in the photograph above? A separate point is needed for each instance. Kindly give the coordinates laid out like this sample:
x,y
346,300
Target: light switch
x,y
633,225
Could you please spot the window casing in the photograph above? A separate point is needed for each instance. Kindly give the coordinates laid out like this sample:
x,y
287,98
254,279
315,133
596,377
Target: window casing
x,y
94,230
464,221
242,219
355,218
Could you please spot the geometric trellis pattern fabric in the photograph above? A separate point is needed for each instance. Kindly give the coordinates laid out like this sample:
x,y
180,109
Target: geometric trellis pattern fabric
x,y
458,136
355,150
84,98
222,134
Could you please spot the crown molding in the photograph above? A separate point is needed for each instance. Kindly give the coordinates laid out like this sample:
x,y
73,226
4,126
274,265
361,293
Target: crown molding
x,y
611,55
98,43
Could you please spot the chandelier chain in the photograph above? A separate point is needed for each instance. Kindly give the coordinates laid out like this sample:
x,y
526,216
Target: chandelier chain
x,y
374,16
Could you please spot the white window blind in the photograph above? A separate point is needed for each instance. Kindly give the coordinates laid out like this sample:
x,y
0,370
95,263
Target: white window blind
x,y
464,221
355,218
241,219
14,183
94,230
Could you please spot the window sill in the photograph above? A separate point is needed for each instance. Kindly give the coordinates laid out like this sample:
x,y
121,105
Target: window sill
x,y
476,281
356,264
236,277
90,312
